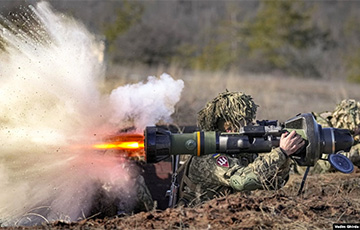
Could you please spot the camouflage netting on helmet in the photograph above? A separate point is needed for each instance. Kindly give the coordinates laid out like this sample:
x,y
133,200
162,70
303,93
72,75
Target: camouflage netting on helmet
x,y
233,107
346,115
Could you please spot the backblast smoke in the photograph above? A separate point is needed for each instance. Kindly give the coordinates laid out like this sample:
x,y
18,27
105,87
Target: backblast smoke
x,y
50,69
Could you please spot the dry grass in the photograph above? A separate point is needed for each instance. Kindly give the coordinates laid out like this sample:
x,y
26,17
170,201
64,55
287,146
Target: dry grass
x,y
279,97
318,208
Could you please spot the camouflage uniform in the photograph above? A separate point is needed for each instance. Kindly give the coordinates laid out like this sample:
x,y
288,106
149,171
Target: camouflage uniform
x,y
214,175
114,199
345,116
143,200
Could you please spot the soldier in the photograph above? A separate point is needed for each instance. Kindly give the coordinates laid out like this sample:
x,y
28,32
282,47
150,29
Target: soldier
x,y
113,198
209,176
345,116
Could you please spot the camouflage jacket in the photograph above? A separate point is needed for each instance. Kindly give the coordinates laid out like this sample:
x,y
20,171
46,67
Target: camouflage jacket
x,y
323,166
215,175
354,152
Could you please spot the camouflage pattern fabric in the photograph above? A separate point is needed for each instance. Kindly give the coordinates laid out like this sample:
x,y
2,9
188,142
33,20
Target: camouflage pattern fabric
x,y
345,116
110,201
323,166
354,155
218,174
323,118
209,176
139,198
233,107
144,200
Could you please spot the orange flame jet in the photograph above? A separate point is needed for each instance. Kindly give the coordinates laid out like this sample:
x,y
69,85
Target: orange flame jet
x,y
130,143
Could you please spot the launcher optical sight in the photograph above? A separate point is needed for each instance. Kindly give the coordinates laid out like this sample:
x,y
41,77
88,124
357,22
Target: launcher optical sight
x,y
261,138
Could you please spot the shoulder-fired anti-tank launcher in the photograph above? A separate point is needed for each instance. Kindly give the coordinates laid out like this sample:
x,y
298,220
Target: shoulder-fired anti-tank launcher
x,y
259,138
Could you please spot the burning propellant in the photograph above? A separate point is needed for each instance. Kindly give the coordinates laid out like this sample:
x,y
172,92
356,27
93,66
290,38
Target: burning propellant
x,y
51,108
129,144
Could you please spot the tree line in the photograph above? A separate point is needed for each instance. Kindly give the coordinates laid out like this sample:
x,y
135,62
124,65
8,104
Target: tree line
x,y
299,38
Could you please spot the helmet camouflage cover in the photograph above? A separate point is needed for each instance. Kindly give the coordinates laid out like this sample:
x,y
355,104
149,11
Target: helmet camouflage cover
x,y
346,115
233,107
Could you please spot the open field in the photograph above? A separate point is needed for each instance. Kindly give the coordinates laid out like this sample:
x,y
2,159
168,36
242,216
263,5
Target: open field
x,y
279,97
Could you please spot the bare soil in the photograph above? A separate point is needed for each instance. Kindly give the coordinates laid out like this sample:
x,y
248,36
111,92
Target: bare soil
x,y
327,199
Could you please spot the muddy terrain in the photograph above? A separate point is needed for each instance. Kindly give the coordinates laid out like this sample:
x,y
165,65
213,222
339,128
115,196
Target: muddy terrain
x,y
327,199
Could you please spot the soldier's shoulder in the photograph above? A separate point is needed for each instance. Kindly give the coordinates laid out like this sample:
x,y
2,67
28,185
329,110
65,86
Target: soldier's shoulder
x,y
356,147
325,114
323,118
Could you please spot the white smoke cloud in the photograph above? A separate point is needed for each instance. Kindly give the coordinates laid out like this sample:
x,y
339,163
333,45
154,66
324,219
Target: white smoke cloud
x,y
50,107
144,104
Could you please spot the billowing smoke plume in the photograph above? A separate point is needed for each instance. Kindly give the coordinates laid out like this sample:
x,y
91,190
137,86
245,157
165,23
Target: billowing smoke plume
x,y
50,108
152,102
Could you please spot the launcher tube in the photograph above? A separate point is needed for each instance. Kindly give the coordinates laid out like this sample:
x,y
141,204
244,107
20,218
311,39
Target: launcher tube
x,y
160,143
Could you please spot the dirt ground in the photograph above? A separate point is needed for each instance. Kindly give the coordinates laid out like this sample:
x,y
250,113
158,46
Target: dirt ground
x,y
327,199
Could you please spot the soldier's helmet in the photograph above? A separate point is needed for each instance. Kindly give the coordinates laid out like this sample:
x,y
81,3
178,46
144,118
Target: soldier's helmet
x,y
234,108
347,115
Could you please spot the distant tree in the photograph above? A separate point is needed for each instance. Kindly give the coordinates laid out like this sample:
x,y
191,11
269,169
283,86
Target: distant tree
x,y
218,47
221,51
151,45
351,51
127,15
352,63
171,32
281,36
214,56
